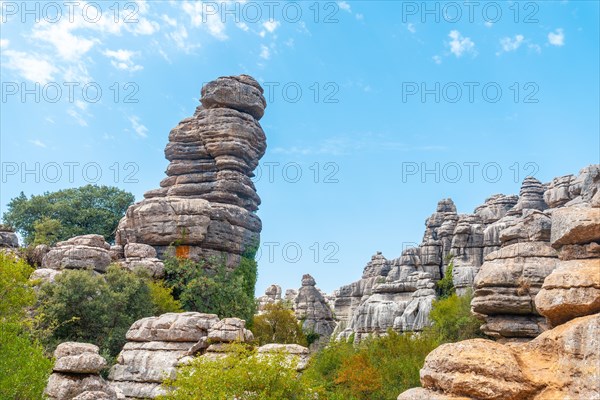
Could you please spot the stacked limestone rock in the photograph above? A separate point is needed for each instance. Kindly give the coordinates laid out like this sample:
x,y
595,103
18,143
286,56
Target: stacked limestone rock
x,y
8,239
510,233
561,363
76,374
511,277
295,353
156,346
312,309
272,296
142,256
206,206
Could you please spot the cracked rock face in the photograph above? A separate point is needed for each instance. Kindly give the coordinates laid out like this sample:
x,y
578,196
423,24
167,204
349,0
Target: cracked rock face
x,y
206,205
313,310
76,374
79,252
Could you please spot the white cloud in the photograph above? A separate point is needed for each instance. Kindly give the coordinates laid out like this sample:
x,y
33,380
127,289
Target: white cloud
x,y
243,26
534,47
359,16
437,59
78,117
68,46
4,43
343,5
122,59
459,44
30,66
557,38
145,27
411,28
265,53
488,24
82,105
509,44
289,43
169,21
211,22
271,25
50,120
38,143
138,128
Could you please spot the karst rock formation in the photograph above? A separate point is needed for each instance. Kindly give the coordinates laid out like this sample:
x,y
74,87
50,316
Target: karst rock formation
x,y
503,251
206,206
546,281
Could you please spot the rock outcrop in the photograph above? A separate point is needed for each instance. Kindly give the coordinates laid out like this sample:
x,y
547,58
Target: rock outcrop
x,y
502,250
295,353
76,374
79,252
272,295
312,310
206,206
142,256
562,362
156,346
8,238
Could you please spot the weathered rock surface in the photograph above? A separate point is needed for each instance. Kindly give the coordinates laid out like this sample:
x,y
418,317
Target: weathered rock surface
x,y
562,363
79,252
297,354
44,275
8,238
572,290
206,206
76,373
272,295
312,309
156,346
140,256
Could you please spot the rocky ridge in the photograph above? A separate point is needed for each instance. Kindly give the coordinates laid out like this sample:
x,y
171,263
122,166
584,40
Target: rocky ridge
x,y
560,363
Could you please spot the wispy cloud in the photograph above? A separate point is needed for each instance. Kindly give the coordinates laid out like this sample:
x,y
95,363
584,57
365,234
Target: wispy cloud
x,y
38,143
460,45
411,27
77,117
344,5
122,59
265,52
138,127
557,38
510,44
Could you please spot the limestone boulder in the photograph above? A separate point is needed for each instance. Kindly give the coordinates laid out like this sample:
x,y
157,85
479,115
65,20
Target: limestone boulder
x,y
80,252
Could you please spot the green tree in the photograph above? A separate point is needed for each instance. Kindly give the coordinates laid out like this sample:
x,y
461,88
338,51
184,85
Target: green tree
x,y
211,287
278,324
452,320
24,369
80,211
46,231
239,375
83,306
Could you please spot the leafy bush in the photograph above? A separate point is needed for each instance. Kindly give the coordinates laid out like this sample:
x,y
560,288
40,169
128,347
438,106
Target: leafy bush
x,y
452,319
240,375
278,324
445,286
162,298
211,287
377,368
79,211
87,307
24,369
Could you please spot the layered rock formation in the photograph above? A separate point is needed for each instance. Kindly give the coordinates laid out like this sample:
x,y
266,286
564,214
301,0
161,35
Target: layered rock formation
x,y
505,243
560,363
8,238
295,353
206,205
312,310
272,295
76,374
142,256
79,252
156,346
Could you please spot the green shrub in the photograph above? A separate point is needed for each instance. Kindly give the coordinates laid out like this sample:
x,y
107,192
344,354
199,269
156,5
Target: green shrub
x,y
211,287
87,307
24,369
445,286
162,298
377,368
239,375
278,324
452,320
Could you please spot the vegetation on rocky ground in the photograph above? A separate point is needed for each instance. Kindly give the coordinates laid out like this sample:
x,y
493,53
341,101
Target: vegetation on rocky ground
x,y
278,324
56,216
84,306
24,368
211,287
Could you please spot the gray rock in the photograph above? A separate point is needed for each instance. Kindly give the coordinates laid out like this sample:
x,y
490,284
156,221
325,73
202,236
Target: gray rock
x,y
314,312
242,93
80,252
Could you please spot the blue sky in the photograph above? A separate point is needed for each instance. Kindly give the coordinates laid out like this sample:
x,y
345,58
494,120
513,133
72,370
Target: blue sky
x,y
363,97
